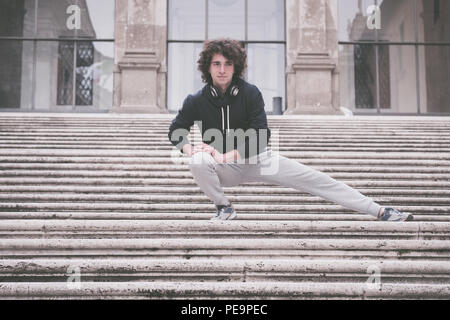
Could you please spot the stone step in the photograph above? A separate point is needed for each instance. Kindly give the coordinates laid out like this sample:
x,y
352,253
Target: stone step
x,y
370,183
206,208
283,132
291,136
242,216
188,175
160,139
176,154
201,198
288,140
30,159
227,248
393,122
167,148
139,269
221,290
217,229
186,190
174,168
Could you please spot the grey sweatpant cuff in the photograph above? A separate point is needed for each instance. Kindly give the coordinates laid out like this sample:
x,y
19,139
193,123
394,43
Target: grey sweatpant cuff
x,y
374,209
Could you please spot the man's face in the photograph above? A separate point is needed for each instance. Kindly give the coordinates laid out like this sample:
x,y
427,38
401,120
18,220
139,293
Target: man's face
x,y
221,70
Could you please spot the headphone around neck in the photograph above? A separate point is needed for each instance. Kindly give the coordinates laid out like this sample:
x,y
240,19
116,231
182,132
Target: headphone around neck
x,y
233,91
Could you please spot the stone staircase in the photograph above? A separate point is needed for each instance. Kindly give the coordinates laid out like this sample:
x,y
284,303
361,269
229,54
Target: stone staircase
x,y
102,206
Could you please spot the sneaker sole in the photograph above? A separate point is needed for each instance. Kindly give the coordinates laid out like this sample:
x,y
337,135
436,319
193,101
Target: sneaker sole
x,y
231,217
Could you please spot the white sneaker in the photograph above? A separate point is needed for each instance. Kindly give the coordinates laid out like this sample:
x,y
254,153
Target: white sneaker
x,y
225,213
391,214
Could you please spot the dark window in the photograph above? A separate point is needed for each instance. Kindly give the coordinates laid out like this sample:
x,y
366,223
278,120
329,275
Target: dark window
x,y
85,72
258,24
365,76
65,73
49,64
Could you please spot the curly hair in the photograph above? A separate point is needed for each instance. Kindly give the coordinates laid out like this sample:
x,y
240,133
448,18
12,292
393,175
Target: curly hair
x,y
230,49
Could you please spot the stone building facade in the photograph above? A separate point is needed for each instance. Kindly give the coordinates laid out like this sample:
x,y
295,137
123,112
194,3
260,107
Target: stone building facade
x,y
311,56
306,56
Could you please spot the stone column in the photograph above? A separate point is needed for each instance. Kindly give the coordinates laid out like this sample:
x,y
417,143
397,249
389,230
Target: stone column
x,y
312,57
140,56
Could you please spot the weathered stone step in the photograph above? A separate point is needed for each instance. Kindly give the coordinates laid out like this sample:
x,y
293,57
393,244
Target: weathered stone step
x,y
201,199
298,142
290,127
167,148
361,183
168,153
161,140
131,116
289,122
221,290
19,245
188,175
30,159
174,189
196,208
84,118
185,167
429,254
286,129
173,215
417,228
51,269
214,229
187,190
286,121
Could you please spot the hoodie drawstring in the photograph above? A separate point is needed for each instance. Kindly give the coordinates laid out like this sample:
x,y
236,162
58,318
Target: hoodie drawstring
x,y
228,120
223,121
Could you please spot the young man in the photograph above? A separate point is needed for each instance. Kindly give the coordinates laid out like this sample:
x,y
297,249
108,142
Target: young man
x,y
235,135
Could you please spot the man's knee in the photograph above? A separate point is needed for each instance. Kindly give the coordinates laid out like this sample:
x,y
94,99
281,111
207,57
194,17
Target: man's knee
x,y
202,160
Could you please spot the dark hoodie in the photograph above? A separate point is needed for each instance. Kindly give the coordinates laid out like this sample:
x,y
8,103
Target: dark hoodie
x,y
226,115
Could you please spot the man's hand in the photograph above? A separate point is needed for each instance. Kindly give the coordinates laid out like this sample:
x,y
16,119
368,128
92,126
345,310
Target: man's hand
x,y
231,156
201,147
227,157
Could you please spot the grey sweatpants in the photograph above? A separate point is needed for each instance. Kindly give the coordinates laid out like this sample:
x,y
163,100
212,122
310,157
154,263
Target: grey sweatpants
x,y
273,168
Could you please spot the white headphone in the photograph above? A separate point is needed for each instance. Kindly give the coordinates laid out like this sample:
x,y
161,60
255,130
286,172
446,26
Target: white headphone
x,y
234,91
